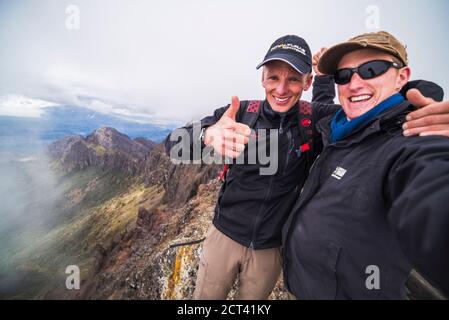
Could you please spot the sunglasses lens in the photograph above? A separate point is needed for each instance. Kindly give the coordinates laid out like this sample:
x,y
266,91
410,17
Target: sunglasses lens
x,y
366,71
343,76
374,69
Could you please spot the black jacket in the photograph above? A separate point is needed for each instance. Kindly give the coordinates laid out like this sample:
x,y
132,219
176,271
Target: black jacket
x,y
375,198
252,208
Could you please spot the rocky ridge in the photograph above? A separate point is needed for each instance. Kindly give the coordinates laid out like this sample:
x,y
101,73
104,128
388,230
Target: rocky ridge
x,y
146,260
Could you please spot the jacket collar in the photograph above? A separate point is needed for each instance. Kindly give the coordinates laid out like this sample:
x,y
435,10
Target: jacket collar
x,y
393,118
278,117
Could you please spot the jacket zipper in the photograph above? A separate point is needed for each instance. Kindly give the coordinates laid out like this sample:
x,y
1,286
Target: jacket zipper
x,y
270,185
256,219
267,196
289,151
281,129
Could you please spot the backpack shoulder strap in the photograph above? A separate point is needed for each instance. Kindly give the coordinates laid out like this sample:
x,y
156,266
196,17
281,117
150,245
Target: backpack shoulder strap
x,y
305,115
251,112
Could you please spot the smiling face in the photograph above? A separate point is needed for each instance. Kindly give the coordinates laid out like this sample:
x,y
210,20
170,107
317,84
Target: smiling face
x,y
283,85
359,96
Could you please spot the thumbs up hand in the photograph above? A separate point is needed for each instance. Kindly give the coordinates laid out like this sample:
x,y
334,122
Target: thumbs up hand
x,y
233,108
227,136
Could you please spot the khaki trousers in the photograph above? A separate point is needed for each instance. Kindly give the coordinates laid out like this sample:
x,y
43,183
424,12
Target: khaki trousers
x,y
223,259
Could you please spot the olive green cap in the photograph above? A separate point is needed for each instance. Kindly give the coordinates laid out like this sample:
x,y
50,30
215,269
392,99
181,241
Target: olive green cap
x,y
381,40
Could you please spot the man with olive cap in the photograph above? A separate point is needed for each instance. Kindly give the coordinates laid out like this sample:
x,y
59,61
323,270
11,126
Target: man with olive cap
x,y
375,203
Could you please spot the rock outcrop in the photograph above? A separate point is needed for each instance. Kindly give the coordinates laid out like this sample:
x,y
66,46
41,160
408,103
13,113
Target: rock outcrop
x,y
145,261
181,181
105,148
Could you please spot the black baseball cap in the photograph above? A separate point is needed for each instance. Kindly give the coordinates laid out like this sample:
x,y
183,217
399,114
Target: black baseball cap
x,y
292,50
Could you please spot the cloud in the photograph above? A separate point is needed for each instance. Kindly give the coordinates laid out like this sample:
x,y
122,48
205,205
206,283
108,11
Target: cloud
x,y
180,60
21,106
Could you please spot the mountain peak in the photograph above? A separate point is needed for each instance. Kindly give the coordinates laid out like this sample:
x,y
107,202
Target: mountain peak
x,y
105,148
109,138
108,131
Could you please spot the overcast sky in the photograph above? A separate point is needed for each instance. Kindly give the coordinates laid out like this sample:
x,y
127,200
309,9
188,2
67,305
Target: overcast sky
x,y
181,59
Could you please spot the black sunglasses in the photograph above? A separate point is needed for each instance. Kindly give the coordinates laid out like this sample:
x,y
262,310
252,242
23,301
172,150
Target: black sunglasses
x,y
368,70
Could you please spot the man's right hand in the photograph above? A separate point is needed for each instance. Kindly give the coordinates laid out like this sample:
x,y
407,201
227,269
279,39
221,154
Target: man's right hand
x,y
316,59
227,136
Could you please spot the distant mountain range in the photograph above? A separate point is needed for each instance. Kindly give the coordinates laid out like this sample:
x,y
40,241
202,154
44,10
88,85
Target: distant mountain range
x,y
25,136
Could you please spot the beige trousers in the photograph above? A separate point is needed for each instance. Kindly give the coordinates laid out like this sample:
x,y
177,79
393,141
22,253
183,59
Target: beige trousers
x,y
223,259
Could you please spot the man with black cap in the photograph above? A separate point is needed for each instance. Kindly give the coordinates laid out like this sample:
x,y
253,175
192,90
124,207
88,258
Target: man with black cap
x,y
245,238
375,203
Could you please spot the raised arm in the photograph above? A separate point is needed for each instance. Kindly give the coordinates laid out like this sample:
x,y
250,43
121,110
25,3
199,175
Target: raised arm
x,y
323,90
323,93
417,187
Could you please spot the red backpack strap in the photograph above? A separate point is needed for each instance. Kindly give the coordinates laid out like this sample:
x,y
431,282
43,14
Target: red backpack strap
x,y
251,113
254,106
222,174
305,120
305,115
